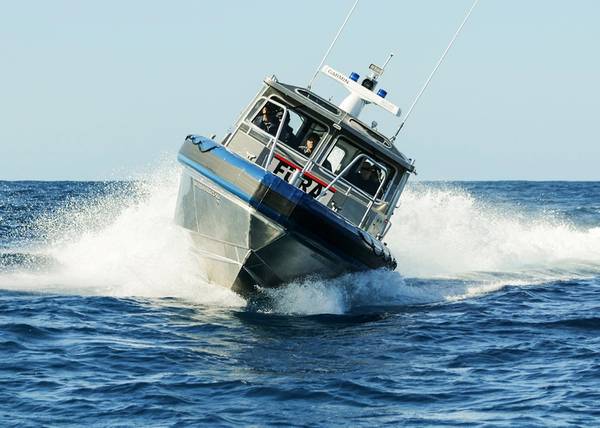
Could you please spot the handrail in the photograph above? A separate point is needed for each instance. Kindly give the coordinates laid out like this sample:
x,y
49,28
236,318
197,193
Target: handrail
x,y
373,198
277,134
372,202
337,177
311,160
279,129
246,110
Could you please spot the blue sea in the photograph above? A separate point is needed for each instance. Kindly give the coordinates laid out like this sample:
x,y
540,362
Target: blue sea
x,y
491,319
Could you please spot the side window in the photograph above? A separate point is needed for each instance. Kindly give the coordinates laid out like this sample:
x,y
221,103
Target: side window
x,y
364,174
298,131
333,162
292,125
254,110
313,135
268,117
340,156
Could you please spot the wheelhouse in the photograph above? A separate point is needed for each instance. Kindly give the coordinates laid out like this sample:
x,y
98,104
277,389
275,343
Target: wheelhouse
x,y
322,150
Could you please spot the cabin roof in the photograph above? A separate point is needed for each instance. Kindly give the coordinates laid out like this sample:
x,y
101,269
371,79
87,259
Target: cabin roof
x,y
375,140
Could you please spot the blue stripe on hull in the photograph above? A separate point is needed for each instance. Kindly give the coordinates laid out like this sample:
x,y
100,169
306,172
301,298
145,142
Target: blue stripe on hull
x,y
227,185
297,197
269,180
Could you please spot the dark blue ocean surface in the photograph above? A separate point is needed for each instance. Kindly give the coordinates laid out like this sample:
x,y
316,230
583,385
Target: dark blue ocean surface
x,y
493,317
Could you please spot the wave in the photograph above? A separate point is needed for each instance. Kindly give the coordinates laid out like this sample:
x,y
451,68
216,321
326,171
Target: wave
x,y
449,245
120,244
448,232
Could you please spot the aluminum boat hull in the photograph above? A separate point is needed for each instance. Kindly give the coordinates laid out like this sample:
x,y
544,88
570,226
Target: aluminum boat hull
x,y
251,228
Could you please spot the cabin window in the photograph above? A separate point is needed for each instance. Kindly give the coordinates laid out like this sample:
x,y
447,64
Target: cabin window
x,y
267,116
366,175
360,169
311,139
298,131
342,153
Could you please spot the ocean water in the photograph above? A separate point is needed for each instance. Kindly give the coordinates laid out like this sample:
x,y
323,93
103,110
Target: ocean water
x,y
492,317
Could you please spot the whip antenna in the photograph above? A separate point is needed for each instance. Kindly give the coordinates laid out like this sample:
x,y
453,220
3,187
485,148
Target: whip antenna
x,y
332,43
434,70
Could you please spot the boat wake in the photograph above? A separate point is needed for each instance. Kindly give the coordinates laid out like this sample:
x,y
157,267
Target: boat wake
x,y
449,232
449,246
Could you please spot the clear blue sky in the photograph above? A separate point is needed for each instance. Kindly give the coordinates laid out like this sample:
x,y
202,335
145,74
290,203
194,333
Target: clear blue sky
x,y
95,90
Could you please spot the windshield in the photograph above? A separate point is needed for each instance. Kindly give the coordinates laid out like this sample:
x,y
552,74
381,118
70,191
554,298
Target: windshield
x,y
359,169
298,131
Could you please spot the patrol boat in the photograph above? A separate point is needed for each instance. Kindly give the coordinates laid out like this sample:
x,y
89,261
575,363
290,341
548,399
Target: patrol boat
x,y
300,187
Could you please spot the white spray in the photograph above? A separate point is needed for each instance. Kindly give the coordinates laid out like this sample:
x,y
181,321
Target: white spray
x,y
126,244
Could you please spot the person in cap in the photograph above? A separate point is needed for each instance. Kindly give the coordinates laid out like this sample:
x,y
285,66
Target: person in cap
x,y
366,177
309,145
267,119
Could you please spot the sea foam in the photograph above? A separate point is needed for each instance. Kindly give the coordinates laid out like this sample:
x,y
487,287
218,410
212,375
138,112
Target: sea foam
x,y
449,246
